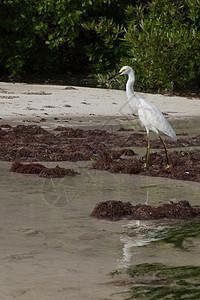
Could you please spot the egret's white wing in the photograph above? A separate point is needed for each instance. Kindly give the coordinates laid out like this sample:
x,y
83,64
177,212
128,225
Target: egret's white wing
x,y
152,118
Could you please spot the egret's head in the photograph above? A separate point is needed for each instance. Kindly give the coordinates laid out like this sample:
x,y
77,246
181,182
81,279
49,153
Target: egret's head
x,y
124,70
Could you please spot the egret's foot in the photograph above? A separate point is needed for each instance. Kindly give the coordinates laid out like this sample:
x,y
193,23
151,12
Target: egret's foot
x,y
168,166
145,165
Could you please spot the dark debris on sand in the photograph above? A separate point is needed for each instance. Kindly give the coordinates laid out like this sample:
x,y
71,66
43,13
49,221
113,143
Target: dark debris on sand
x,y
33,143
116,210
42,171
28,143
184,165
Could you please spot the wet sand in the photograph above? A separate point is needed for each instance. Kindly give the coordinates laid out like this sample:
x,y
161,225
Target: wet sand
x,y
50,246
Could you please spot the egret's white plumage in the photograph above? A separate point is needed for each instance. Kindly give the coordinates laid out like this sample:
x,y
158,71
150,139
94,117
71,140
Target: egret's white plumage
x,y
149,115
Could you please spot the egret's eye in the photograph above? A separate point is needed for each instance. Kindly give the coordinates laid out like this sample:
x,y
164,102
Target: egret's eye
x,y
122,71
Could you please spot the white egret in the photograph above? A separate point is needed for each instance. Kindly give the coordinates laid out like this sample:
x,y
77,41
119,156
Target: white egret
x,y
150,116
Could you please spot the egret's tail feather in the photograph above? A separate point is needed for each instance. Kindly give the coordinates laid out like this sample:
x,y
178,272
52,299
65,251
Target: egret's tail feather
x,y
173,136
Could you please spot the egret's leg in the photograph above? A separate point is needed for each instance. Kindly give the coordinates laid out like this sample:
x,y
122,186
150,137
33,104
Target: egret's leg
x,y
165,147
148,149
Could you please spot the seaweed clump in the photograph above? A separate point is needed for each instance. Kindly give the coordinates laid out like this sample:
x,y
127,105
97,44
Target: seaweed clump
x,y
41,170
184,165
32,168
57,172
110,160
112,210
115,210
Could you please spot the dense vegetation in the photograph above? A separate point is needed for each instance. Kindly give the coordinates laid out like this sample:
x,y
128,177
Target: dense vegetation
x,y
159,39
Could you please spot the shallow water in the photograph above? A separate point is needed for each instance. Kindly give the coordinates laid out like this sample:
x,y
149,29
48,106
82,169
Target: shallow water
x,y
52,249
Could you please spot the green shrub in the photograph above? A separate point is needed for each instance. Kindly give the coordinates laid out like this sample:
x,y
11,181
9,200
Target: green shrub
x,y
105,50
38,35
42,35
159,39
162,40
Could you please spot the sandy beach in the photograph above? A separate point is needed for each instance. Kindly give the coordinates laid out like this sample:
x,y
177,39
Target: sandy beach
x,y
33,101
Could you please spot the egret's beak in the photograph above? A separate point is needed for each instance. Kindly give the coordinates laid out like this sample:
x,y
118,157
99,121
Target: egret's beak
x,y
115,75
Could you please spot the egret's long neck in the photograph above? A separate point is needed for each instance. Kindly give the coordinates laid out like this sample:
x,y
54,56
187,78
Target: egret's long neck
x,y
133,100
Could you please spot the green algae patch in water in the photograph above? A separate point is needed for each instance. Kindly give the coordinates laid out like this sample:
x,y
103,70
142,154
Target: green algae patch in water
x,y
178,234
152,281
158,281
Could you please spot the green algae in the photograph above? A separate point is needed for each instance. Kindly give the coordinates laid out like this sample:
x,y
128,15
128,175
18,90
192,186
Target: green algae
x,y
175,234
152,281
178,234
181,282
